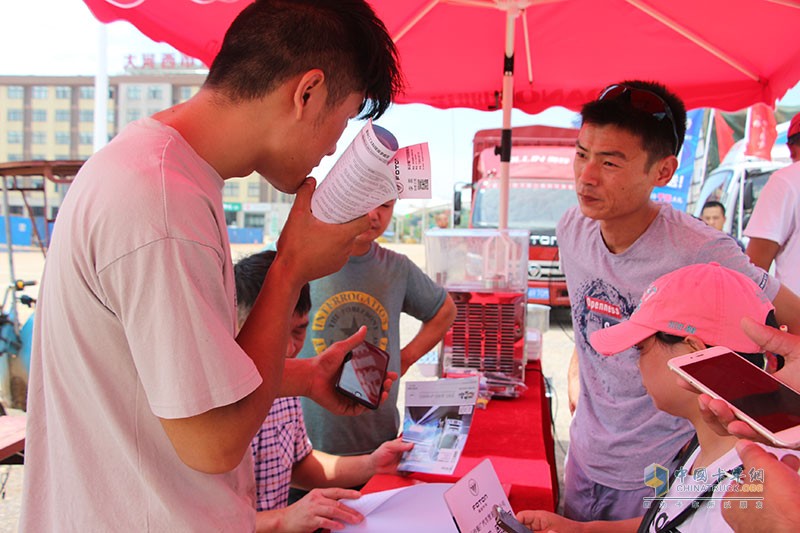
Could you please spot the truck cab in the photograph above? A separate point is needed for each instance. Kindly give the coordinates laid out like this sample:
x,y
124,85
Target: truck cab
x,y
541,189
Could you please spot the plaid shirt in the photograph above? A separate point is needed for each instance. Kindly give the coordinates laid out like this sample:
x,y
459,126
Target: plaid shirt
x,y
279,444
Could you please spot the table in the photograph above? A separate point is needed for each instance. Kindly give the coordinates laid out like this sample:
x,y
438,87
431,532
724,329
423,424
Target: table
x,y
516,434
12,438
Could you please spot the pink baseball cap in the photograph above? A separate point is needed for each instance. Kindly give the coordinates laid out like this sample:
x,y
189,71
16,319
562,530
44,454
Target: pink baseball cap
x,y
706,300
794,127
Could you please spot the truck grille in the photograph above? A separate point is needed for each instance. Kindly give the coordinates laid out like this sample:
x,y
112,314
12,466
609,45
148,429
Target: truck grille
x,y
544,270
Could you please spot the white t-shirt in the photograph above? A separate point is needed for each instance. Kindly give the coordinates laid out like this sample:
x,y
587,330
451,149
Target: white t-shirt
x,y
708,516
776,217
136,320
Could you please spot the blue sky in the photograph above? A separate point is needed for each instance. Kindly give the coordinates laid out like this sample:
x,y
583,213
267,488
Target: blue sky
x,y
60,37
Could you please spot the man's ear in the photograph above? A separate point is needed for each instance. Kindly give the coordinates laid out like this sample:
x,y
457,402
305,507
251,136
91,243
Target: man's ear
x,y
695,343
309,91
665,169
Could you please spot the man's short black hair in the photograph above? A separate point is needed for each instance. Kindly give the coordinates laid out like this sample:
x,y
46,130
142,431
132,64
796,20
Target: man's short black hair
x,y
658,138
271,41
713,203
250,272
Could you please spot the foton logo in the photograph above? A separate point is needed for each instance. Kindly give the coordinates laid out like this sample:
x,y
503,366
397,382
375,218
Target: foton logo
x,y
543,240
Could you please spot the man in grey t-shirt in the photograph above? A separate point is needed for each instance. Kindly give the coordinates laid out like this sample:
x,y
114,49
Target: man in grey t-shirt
x,y
612,246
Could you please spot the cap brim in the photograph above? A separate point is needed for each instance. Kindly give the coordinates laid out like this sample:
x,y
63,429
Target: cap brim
x,y
618,338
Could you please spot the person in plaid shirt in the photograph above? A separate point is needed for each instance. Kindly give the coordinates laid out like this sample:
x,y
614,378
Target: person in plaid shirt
x,y
282,452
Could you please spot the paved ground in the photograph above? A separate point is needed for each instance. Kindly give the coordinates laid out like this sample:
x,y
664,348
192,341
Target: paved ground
x,y
557,348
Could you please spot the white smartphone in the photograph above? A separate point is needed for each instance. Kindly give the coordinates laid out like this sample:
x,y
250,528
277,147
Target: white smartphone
x,y
768,405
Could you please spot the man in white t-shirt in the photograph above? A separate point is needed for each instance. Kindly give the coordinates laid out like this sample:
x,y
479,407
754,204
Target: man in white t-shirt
x,y
774,225
143,398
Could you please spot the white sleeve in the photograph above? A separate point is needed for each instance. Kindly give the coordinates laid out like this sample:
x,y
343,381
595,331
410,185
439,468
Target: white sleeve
x,y
179,320
771,218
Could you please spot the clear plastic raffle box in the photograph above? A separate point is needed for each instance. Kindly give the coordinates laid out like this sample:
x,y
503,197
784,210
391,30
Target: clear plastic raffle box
x,y
486,273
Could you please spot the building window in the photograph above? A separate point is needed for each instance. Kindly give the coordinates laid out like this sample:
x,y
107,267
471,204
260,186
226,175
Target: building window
x,y
253,188
39,115
86,137
186,93
39,137
253,220
87,92
64,157
37,210
15,91
14,115
63,92
14,137
15,157
230,189
62,137
86,115
133,92
39,92
62,115
154,92
133,114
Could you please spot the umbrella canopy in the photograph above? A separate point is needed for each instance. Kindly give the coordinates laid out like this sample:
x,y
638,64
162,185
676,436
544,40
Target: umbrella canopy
x,y
461,53
713,53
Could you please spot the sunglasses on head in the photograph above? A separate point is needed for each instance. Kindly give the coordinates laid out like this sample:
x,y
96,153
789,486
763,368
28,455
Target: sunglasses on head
x,y
646,101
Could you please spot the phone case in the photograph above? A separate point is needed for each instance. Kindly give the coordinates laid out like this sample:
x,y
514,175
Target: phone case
x,y
362,375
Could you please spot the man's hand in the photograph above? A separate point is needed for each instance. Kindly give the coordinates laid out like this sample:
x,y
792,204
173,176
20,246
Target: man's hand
x,y
325,370
385,459
781,493
319,509
311,247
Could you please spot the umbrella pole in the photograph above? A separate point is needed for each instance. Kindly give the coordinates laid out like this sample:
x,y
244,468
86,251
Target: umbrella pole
x,y
508,104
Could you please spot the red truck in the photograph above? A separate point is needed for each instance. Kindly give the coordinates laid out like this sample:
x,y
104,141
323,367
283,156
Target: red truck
x,y
541,189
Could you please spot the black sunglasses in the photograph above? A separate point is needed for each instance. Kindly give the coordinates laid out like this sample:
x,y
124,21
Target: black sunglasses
x,y
646,101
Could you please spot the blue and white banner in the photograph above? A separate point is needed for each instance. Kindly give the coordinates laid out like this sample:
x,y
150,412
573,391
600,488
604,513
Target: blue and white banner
x,y
676,191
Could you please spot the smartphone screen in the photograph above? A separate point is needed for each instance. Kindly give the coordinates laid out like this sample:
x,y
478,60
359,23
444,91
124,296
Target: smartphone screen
x,y
754,392
363,373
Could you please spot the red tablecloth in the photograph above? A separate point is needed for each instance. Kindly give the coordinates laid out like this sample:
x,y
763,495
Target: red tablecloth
x,y
516,435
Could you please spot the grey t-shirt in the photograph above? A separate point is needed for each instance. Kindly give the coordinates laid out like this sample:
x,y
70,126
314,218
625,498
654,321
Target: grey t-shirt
x,y
370,290
617,431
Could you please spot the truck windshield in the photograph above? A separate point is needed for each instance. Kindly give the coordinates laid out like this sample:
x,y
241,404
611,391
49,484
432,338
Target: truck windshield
x,y
531,204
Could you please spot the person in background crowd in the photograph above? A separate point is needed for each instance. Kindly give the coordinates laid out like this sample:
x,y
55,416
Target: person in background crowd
x,y
612,246
143,398
713,214
775,223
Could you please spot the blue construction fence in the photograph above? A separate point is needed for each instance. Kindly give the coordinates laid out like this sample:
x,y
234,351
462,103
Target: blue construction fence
x,y
22,232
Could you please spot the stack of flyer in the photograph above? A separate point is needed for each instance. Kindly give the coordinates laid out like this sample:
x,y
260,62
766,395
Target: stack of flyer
x,y
438,415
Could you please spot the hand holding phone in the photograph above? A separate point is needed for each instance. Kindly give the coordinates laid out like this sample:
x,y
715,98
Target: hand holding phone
x,y
362,374
768,405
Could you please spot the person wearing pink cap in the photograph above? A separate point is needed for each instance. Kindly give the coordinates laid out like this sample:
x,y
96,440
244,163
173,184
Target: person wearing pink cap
x,y
684,311
774,225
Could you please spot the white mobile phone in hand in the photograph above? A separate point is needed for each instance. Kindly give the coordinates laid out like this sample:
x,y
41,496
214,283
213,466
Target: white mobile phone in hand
x,y
768,405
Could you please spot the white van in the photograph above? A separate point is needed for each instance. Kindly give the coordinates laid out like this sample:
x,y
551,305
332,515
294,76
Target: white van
x,y
737,182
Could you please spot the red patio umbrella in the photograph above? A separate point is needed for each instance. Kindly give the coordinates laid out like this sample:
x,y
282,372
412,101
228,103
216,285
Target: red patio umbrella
x,y
713,53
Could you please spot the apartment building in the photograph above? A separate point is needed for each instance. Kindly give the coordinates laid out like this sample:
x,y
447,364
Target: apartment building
x,y
52,117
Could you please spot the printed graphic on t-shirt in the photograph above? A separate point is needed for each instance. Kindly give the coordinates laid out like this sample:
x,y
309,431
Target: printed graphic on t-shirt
x,y
342,314
601,306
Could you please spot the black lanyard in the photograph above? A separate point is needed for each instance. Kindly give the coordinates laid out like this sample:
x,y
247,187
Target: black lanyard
x,y
689,510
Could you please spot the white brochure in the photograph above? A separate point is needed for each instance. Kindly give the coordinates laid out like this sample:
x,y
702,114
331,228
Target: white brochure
x,y
370,172
438,415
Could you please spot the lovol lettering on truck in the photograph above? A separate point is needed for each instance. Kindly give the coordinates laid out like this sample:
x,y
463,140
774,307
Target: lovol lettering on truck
x,y
541,189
